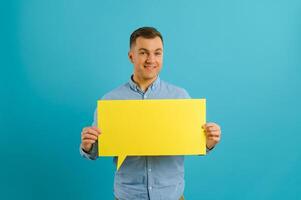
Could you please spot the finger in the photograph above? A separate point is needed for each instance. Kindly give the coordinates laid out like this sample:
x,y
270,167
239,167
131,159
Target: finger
x,y
212,129
96,129
88,141
213,132
91,131
213,135
84,130
211,124
216,134
88,129
213,138
89,136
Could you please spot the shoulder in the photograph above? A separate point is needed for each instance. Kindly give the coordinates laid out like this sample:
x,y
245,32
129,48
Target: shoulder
x,y
117,92
173,89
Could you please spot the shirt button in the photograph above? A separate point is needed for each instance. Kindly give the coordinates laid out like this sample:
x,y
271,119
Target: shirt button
x,y
150,187
150,170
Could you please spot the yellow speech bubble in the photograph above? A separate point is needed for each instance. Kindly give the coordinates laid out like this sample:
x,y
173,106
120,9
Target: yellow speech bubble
x,y
151,127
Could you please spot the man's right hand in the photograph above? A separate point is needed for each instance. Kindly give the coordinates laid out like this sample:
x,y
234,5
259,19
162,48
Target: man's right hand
x,y
89,137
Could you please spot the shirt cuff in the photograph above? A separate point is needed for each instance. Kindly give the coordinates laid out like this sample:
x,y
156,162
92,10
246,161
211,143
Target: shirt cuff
x,y
208,150
89,155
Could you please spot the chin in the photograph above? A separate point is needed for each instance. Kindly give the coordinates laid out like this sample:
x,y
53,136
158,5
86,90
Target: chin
x,y
150,77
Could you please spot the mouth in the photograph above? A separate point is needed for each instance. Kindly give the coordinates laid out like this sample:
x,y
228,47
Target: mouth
x,y
150,67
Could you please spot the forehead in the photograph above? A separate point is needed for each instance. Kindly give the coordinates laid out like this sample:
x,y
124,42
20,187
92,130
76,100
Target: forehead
x,y
150,44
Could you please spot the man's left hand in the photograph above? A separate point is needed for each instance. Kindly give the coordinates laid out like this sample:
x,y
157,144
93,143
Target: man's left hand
x,y
213,134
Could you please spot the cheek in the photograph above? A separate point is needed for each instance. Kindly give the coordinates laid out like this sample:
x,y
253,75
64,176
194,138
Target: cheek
x,y
160,64
140,61
159,60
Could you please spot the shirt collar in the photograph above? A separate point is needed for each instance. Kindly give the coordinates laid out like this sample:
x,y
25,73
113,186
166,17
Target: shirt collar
x,y
153,86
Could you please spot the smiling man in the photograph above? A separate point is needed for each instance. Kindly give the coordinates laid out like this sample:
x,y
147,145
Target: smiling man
x,y
146,54
146,177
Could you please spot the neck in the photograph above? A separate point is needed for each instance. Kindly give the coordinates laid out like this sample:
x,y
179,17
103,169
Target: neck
x,y
142,83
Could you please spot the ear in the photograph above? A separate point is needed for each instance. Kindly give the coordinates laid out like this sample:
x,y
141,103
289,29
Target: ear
x,y
130,55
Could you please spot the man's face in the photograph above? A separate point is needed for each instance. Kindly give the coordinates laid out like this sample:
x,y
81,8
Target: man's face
x,y
147,57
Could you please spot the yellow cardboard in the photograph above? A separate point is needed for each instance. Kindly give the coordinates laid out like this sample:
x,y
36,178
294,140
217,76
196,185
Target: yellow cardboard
x,y
151,127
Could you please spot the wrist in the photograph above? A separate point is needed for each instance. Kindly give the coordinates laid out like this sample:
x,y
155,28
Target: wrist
x,y
85,149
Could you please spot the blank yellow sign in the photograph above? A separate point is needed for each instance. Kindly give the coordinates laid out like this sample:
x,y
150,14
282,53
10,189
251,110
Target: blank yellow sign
x,y
151,127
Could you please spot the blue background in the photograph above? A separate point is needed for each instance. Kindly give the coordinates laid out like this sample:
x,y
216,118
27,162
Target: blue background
x,y
58,57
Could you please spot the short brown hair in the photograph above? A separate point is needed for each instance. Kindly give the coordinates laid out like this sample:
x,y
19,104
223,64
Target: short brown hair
x,y
145,32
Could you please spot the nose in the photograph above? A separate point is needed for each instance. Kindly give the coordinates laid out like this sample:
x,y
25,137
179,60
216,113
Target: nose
x,y
150,58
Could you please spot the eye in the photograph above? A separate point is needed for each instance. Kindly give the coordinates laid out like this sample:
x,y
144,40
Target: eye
x,y
142,53
158,53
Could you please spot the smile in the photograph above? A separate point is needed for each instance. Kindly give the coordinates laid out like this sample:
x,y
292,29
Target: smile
x,y
149,66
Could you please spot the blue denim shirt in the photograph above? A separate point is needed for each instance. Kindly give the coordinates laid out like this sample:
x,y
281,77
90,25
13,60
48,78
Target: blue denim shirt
x,y
147,177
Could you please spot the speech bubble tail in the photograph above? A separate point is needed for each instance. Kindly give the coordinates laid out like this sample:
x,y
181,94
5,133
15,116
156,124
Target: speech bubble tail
x,y
120,160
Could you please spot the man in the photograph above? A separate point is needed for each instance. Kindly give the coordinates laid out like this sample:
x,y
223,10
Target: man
x,y
147,177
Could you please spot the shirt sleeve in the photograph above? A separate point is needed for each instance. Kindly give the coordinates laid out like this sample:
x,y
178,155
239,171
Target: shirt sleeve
x,y
185,94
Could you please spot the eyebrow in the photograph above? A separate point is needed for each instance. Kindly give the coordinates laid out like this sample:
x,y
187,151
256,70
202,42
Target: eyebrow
x,y
143,49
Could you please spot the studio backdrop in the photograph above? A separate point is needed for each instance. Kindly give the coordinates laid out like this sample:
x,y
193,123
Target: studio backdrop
x,y
58,57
